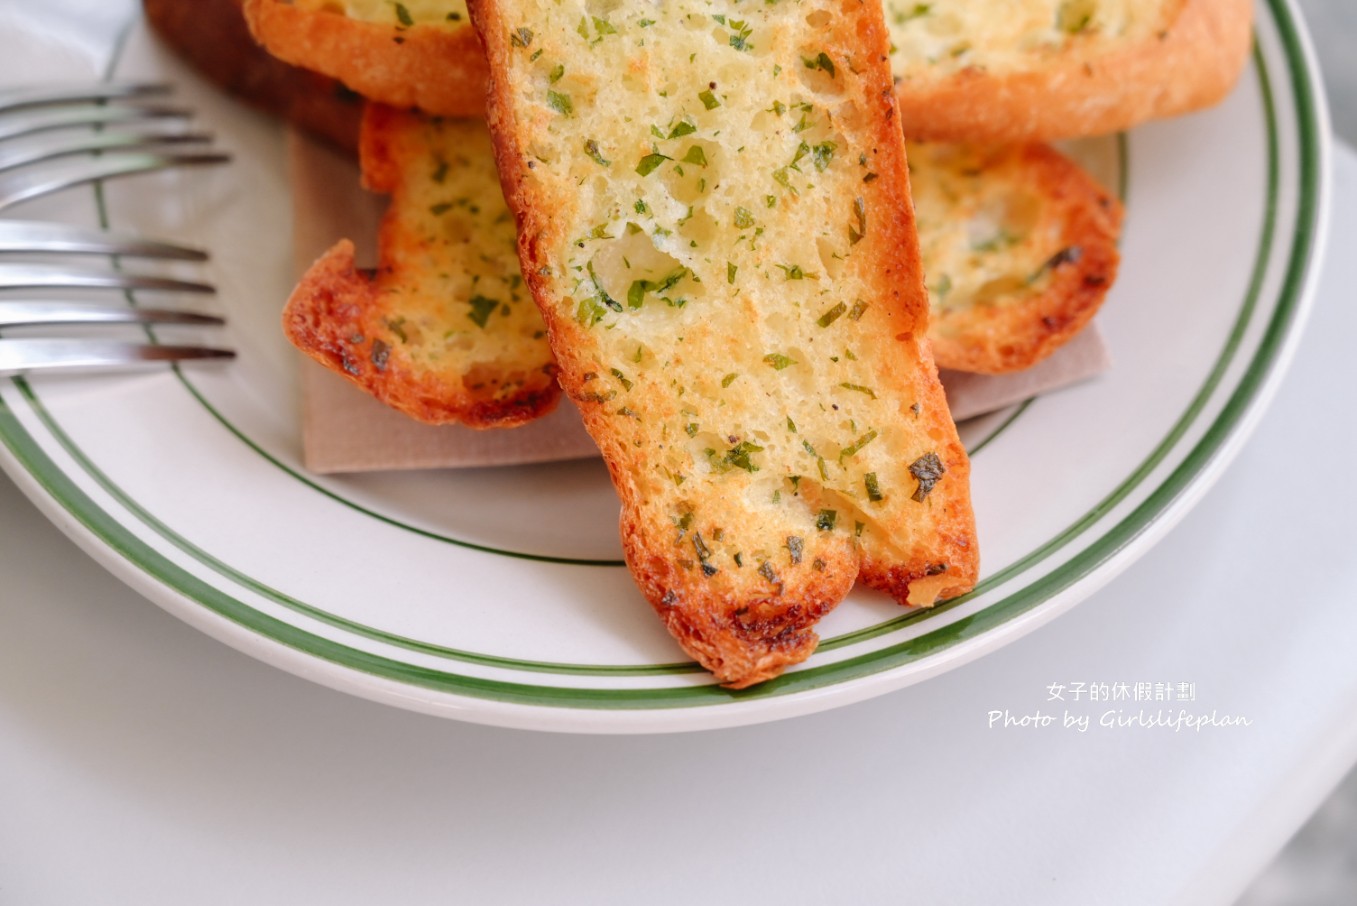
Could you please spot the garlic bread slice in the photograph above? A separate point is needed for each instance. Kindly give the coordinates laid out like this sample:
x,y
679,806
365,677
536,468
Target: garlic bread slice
x,y
714,219
1019,249
444,329
413,53
1040,70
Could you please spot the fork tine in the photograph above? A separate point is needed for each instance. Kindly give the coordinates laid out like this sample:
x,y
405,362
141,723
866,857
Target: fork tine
x,y
58,238
23,187
45,276
49,313
99,141
48,95
29,355
74,117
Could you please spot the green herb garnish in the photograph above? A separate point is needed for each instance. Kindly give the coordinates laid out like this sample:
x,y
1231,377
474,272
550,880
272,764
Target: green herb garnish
x,y
832,315
481,310
853,448
560,103
591,148
928,469
650,162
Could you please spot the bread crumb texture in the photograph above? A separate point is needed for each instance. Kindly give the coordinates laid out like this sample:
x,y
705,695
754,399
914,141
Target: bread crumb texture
x,y
714,217
445,329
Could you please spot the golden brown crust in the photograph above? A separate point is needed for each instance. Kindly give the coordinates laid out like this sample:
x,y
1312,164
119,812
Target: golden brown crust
x,y
340,317
1106,86
433,67
745,620
1009,301
1094,88
212,36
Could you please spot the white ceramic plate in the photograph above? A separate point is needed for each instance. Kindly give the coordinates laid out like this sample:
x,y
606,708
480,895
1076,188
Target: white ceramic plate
x,y
497,596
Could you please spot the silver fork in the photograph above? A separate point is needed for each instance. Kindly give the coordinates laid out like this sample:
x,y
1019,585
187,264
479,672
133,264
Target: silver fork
x,y
149,137
75,124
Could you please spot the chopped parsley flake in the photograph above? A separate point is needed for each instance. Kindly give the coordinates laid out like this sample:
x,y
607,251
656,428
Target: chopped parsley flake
x,y
481,310
591,148
560,103
650,162
821,62
832,315
636,293
589,312
822,154
860,213
928,469
738,457
853,448
858,388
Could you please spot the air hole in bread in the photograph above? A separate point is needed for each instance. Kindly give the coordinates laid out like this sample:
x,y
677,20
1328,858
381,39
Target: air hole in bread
x,y
636,274
820,73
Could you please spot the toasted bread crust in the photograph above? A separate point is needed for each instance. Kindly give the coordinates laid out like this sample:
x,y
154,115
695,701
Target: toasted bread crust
x,y
1093,87
739,578
1006,303
435,67
212,36
339,316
